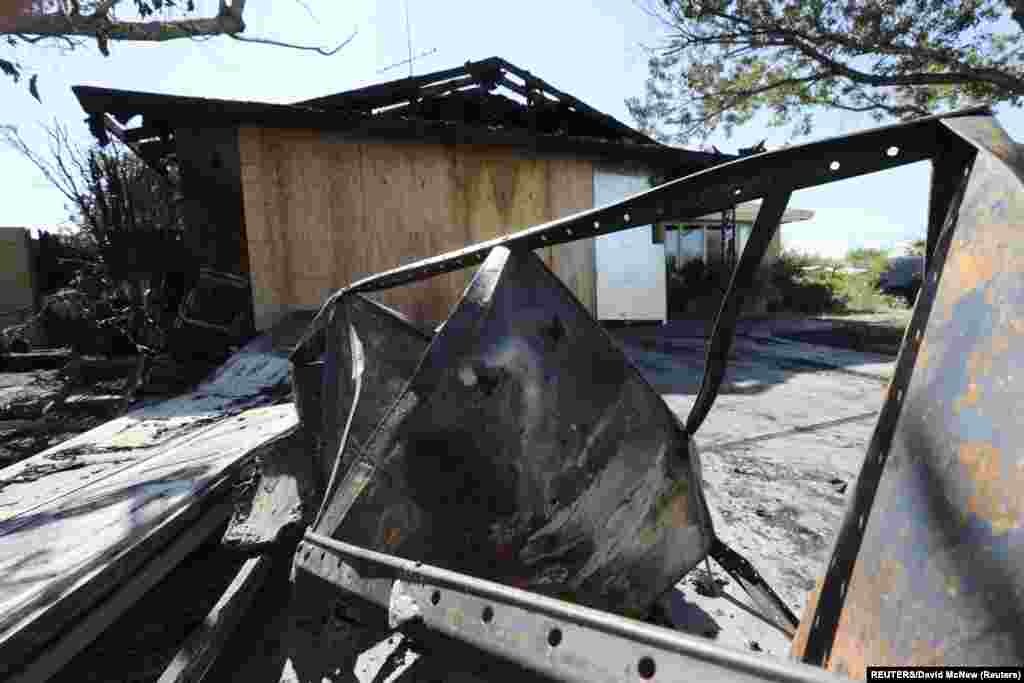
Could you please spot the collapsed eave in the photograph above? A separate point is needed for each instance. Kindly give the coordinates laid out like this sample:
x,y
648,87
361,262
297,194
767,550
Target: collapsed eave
x,y
421,109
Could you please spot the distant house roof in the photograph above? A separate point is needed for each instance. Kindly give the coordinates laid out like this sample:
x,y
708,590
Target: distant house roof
x,y
484,102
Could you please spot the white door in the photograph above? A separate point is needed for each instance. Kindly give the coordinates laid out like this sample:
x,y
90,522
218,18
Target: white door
x,y
631,280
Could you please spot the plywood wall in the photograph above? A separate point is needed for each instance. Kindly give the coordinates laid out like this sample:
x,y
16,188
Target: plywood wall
x,y
321,213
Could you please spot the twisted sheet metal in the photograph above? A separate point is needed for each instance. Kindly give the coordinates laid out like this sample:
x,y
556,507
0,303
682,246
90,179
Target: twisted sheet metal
x,y
928,568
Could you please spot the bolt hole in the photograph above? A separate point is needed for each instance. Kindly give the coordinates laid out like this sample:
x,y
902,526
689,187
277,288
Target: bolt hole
x,y
834,166
917,335
435,597
555,637
892,151
323,554
899,395
488,615
737,191
568,231
597,224
625,217
645,667
842,589
543,238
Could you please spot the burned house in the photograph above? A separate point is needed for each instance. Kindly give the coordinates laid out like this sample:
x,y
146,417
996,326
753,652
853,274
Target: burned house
x,y
305,198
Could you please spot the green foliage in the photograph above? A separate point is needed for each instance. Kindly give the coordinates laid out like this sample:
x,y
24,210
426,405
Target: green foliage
x,y
793,283
814,285
792,287
727,60
874,260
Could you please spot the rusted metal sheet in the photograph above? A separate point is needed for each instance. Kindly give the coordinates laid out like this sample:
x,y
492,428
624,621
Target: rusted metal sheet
x,y
933,572
525,448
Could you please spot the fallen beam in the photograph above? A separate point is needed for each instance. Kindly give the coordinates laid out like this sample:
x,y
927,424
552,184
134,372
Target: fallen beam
x,y
79,636
79,520
202,647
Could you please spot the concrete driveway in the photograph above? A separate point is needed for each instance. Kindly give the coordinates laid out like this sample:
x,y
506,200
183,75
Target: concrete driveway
x,y
780,448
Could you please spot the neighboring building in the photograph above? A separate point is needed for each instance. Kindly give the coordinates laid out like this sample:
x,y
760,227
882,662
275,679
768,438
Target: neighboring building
x,y
701,239
17,276
716,242
307,198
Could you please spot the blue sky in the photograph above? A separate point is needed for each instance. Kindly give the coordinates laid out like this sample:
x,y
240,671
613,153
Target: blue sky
x,y
592,50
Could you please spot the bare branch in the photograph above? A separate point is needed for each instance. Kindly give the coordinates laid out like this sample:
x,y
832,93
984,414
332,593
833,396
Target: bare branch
x,y
54,171
305,6
310,48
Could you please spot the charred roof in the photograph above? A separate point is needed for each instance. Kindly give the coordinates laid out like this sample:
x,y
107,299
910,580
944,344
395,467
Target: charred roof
x,y
486,102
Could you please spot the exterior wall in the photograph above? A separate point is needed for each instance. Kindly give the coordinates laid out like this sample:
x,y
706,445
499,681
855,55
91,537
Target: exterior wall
x,y
212,184
17,276
322,212
631,268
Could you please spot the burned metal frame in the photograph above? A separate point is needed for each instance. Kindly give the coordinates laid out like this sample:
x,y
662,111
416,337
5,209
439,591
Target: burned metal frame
x,y
989,205
712,190
557,639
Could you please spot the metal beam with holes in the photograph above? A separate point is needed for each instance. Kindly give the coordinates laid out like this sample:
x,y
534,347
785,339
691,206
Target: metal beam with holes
x,y
559,640
714,189
926,567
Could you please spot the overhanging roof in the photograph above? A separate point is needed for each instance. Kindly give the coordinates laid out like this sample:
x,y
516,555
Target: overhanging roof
x,y
747,213
485,102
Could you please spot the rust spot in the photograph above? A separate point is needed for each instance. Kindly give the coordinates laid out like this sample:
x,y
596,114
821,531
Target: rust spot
x,y
889,573
923,654
967,272
923,354
796,650
1017,326
980,362
392,536
969,399
672,509
859,641
996,498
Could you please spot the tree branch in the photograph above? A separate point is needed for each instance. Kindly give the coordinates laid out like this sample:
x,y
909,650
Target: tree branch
x,y
1017,12
227,21
310,48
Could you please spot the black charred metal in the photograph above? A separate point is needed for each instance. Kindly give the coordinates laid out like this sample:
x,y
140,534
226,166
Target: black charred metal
x,y
928,567
523,448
